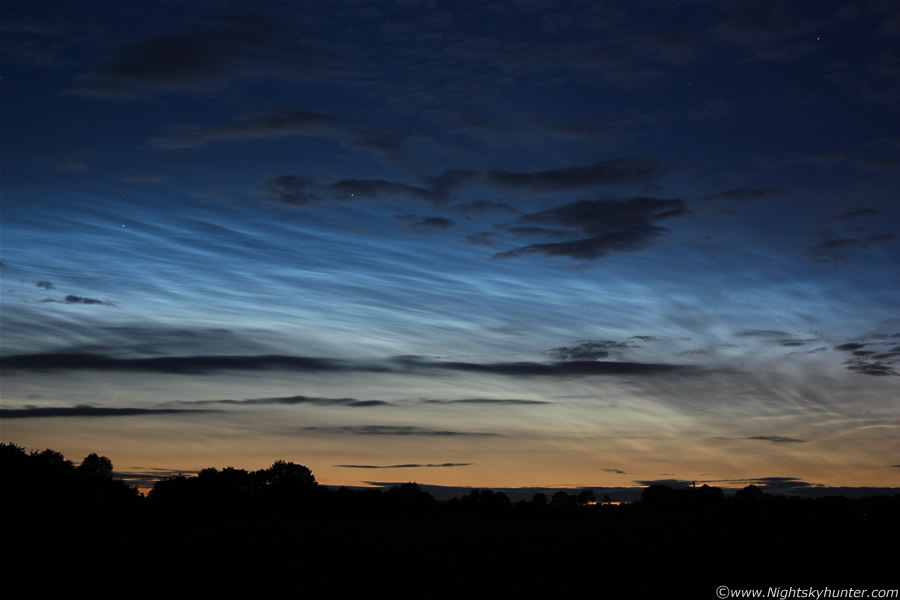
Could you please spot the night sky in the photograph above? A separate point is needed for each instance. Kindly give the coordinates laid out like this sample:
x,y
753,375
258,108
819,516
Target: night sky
x,y
494,244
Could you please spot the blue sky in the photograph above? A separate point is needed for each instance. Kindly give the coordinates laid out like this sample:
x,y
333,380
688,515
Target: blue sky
x,y
515,244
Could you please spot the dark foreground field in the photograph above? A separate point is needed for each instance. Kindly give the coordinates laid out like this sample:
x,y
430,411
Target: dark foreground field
x,y
616,549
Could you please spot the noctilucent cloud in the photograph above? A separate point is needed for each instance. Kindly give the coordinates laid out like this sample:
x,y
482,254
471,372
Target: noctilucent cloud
x,y
468,243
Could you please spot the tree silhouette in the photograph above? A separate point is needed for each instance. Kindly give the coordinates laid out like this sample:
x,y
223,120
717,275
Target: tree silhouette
x,y
658,495
585,497
289,476
226,489
173,493
96,467
562,498
485,502
409,499
287,485
750,493
44,486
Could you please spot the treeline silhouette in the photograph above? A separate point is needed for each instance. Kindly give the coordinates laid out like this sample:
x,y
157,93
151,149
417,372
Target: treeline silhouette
x,y
44,484
279,519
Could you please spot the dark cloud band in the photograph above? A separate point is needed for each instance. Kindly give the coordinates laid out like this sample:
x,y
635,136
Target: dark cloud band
x,y
90,411
596,228
196,365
